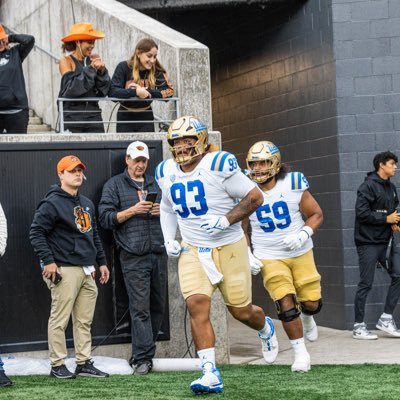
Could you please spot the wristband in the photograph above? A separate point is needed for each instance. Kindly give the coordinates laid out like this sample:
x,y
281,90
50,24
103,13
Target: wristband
x,y
308,230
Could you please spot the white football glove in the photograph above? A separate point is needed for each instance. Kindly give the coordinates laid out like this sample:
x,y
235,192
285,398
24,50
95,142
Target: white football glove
x,y
173,248
255,263
214,224
297,240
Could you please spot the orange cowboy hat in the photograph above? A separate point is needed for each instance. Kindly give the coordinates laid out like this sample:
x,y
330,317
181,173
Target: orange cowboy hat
x,y
3,33
82,31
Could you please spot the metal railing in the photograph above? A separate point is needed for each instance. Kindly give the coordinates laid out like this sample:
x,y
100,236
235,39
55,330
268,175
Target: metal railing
x,y
167,107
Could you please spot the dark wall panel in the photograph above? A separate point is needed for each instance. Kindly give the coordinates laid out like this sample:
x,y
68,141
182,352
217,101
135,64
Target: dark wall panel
x,y
27,171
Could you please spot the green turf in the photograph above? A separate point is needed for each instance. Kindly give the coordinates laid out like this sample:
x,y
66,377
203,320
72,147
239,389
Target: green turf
x,y
245,382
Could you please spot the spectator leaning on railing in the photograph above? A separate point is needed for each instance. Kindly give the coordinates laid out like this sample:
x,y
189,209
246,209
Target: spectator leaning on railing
x,y
141,77
14,113
84,74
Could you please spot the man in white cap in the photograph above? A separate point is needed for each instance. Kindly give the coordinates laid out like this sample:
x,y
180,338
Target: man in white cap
x,y
130,207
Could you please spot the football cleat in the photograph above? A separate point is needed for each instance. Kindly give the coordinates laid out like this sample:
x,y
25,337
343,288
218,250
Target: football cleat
x,y
209,382
269,344
302,363
268,159
187,127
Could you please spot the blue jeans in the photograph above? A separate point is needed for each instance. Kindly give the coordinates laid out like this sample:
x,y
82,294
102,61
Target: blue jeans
x,y
1,365
146,284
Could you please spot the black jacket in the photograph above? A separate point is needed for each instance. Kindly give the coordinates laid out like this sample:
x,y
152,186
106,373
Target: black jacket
x,y
376,199
64,230
12,84
85,81
140,234
123,74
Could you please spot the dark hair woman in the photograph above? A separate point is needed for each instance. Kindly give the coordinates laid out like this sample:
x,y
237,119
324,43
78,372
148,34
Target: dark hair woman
x,y
14,112
142,77
84,74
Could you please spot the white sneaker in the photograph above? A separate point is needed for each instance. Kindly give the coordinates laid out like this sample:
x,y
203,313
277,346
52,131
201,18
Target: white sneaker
x,y
360,331
389,326
209,382
269,344
302,363
310,328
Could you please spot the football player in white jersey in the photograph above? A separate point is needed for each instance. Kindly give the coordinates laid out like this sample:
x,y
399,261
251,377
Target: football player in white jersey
x,y
282,246
200,189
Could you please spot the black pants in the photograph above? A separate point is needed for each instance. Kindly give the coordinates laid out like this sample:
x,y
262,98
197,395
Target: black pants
x,y
91,121
368,256
146,283
126,115
14,123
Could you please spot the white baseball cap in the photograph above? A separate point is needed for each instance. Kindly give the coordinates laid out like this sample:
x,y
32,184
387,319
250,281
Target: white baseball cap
x,y
137,149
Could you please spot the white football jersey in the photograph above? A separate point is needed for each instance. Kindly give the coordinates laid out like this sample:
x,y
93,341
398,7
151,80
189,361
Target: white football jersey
x,y
212,188
278,217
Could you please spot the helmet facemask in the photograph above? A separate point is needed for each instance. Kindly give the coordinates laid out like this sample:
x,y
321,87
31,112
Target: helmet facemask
x,y
263,152
187,127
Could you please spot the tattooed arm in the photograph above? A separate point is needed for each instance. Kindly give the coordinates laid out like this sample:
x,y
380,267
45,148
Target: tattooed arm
x,y
246,206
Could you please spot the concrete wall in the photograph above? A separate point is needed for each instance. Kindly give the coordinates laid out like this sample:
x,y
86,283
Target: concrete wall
x,y
186,60
367,50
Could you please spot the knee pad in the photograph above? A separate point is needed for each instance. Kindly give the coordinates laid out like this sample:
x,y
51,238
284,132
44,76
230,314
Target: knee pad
x,y
306,311
291,314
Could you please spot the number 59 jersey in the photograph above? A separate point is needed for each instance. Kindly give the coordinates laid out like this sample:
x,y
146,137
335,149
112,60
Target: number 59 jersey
x,y
277,217
212,188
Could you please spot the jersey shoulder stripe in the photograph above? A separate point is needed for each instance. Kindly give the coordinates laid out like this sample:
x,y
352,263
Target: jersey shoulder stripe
x,y
298,181
160,170
219,160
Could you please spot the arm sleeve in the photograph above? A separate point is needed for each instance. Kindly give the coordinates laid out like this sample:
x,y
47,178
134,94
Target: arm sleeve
x,y
363,207
109,207
75,85
103,83
118,82
100,257
163,88
43,223
3,232
168,220
26,43
238,185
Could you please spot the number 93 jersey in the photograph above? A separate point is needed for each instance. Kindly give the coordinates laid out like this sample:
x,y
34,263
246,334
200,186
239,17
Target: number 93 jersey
x,y
278,217
212,188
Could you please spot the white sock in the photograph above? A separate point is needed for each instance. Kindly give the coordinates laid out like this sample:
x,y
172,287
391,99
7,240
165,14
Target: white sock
x,y
308,320
386,316
207,357
266,331
299,346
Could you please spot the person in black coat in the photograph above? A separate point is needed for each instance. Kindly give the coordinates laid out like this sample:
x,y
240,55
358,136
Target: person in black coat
x,y
14,112
135,221
376,221
141,77
84,74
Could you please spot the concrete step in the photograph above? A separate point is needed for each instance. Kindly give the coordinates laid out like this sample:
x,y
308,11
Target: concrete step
x,y
35,121
38,128
36,125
